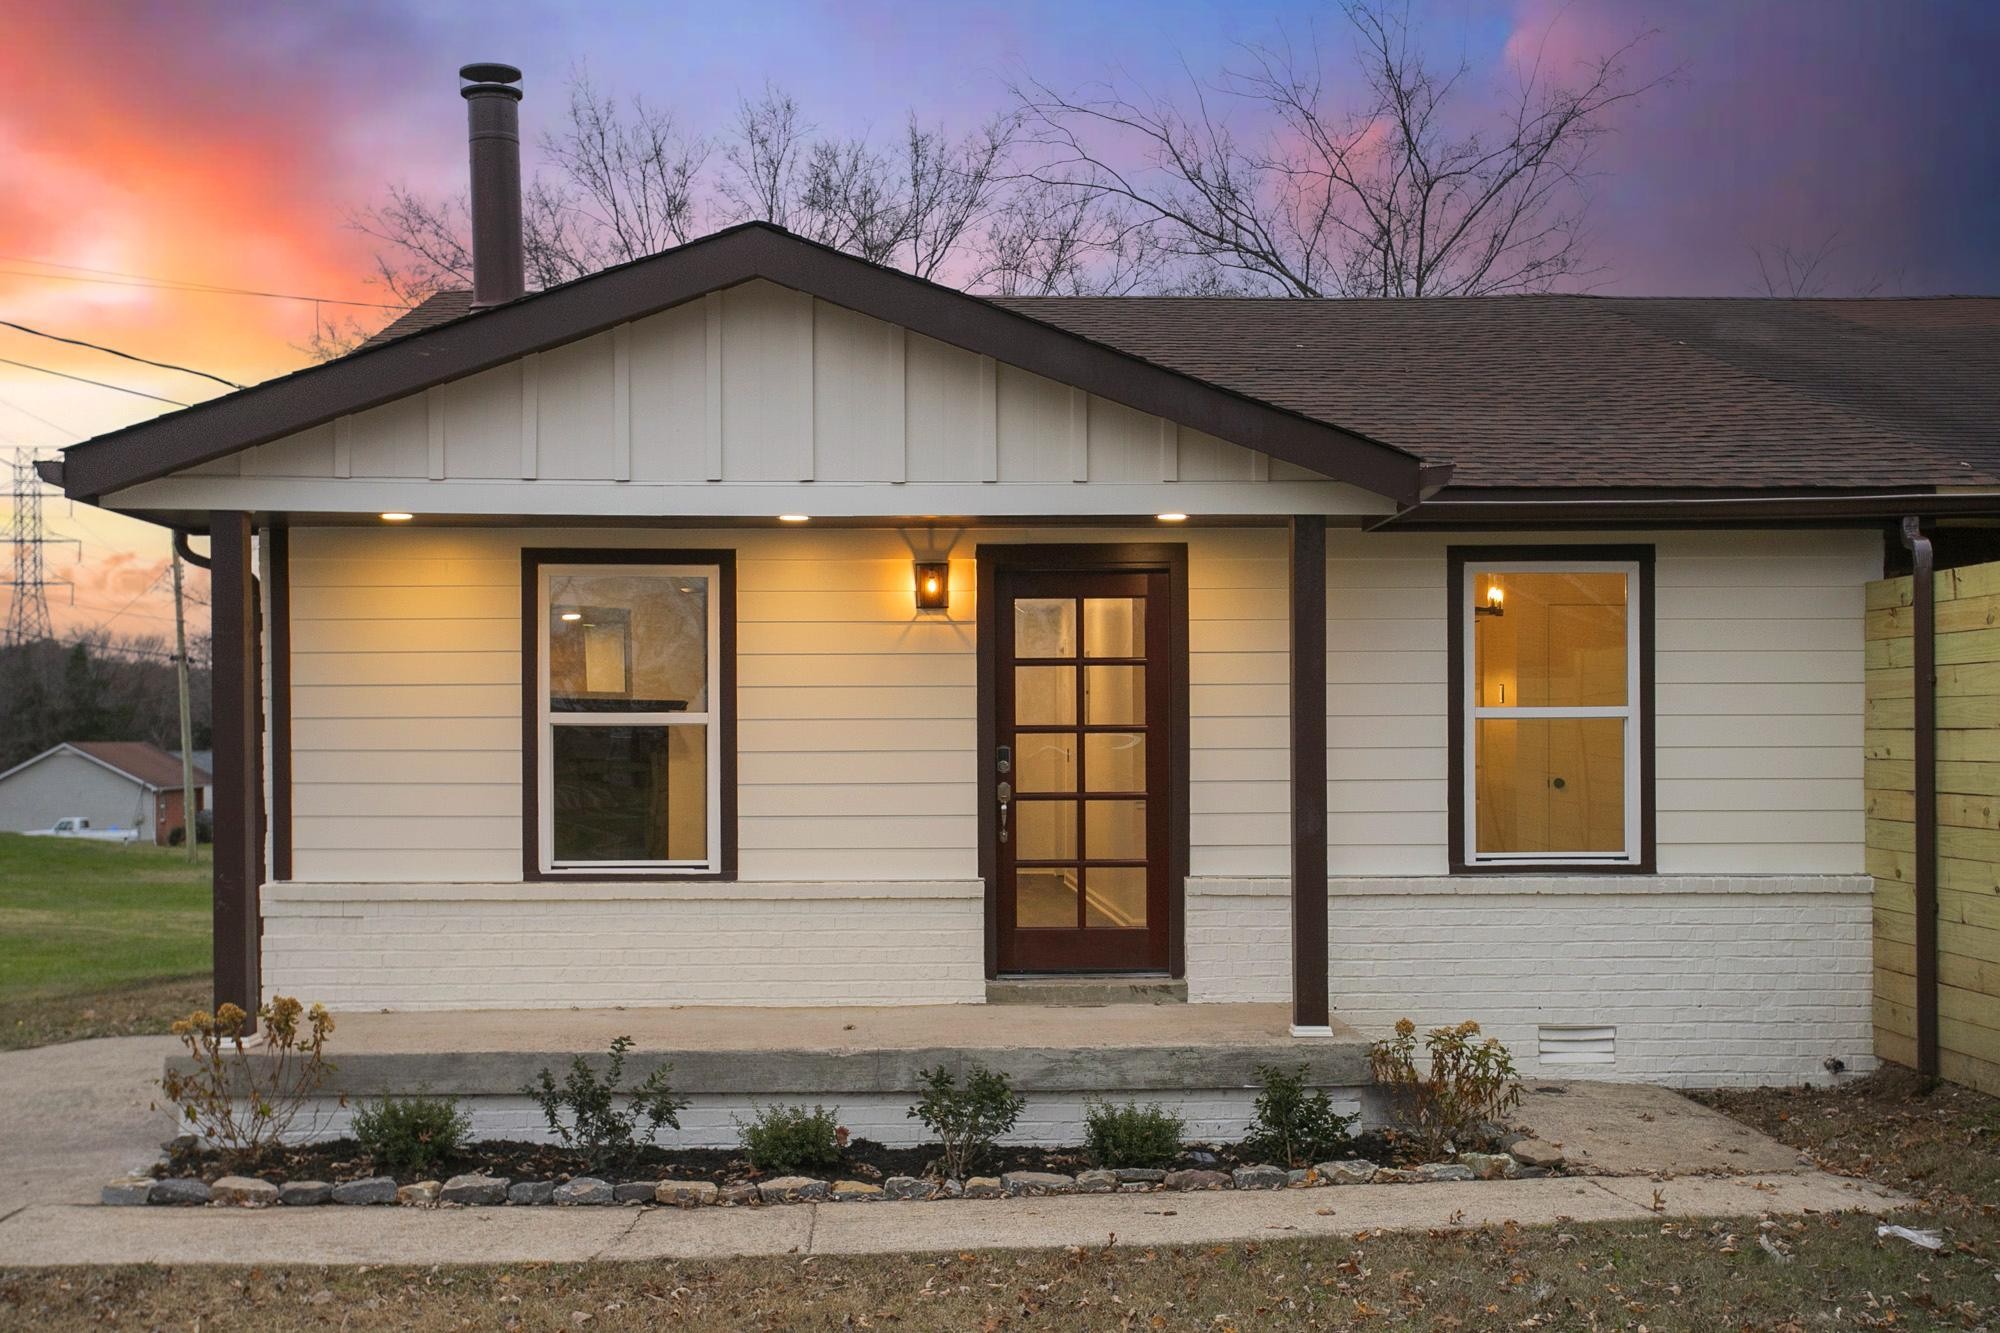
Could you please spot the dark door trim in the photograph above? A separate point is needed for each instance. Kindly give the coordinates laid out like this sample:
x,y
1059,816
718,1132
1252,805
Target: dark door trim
x,y
1169,558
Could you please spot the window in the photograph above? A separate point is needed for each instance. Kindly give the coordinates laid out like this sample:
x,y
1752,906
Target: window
x,y
630,762
1550,736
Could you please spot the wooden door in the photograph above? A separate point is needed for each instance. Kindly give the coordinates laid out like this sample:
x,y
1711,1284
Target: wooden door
x,y
1081,757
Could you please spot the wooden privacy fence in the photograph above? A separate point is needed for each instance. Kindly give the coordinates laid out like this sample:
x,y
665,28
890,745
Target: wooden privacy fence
x,y
1967,991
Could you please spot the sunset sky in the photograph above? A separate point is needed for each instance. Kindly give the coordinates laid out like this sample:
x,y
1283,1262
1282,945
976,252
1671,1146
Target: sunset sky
x,y
222,144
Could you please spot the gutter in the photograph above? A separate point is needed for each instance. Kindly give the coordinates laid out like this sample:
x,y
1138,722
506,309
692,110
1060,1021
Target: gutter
x,y
1555,508
1924,669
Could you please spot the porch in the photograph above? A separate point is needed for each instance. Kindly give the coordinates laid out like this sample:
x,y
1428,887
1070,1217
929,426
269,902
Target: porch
x,y
1200,1060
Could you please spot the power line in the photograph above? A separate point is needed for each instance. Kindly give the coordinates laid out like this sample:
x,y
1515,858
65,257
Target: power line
x,y
33,416
170,285
113,351
84,379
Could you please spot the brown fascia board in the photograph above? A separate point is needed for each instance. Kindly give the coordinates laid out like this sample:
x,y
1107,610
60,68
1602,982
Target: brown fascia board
x,y
576,310
1468,508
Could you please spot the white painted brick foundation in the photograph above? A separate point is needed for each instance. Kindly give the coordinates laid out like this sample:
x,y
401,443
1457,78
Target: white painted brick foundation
x,y
586,945
1708,980
1213,1115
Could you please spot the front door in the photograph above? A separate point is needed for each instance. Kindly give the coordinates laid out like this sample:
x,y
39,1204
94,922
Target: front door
x,y
1080,754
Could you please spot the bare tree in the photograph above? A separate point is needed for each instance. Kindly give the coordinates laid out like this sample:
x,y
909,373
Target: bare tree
x,y
1805,271
1387,198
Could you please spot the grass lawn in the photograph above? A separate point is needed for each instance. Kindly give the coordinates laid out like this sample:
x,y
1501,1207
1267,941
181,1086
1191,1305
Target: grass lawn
x,y
1817,1272
99,940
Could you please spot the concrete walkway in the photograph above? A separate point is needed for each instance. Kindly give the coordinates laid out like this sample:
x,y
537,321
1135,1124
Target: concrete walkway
x,y
78,1115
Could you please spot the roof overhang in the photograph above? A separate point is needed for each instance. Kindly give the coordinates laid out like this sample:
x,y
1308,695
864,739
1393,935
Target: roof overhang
x,y
576,310
1555,507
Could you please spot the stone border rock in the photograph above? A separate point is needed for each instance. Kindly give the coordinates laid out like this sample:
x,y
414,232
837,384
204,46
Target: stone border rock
x,y
480,1190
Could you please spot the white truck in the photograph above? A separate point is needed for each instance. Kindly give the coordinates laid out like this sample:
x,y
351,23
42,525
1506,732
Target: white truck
x,y
76,826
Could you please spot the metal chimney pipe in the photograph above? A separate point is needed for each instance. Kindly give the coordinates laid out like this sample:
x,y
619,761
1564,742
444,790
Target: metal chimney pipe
x,y
493,122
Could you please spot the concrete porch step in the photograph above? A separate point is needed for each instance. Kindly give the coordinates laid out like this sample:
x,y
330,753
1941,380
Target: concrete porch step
x,y
1087,991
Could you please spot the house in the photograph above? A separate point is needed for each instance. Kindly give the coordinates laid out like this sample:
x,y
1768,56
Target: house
x,y
204,761
114,784
750,625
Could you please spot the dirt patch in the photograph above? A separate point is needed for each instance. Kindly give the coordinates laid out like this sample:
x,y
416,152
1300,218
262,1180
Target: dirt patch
x,y
140,1009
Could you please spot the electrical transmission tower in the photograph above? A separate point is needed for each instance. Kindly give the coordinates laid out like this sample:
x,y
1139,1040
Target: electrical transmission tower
x,y
28,614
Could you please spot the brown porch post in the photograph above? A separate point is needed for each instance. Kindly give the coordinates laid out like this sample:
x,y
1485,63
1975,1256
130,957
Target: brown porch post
x,y
1308,668
238,760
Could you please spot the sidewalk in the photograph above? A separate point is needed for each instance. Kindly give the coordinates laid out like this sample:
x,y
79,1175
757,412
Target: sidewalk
x,y
83,1234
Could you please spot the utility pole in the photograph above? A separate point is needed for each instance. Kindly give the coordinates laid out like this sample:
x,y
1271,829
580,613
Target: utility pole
x,y
191,835
28,617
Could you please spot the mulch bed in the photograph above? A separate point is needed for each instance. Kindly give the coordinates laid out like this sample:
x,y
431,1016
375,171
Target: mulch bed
x,y
338,1160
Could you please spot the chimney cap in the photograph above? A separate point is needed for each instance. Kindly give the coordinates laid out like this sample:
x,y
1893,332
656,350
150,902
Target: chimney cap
x,y
489,76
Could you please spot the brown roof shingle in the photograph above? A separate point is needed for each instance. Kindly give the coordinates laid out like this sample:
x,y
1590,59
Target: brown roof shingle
x,y
1582,391
142,760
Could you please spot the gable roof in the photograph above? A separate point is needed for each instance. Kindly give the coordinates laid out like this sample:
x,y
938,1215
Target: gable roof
x,y
1583,392
449,349
141,761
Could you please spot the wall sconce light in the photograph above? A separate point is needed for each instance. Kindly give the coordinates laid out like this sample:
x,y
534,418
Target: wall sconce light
x,y
933,585
1496,601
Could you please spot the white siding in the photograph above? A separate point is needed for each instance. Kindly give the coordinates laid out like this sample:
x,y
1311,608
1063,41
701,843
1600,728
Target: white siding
x,y
67,784
1758,694
756,400
856,715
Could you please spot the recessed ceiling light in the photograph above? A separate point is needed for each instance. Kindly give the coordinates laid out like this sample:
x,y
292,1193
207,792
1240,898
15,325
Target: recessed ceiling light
x,y
397,518
794,518
1171,518
572,615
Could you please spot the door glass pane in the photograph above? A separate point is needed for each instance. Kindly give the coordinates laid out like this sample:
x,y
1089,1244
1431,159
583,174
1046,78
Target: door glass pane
x,y
630,793
1114,627
1114,695
1045,696
1045,897
1115,760
1044,627
1115,896
1045,763
1551,785
1046,830
1550,640
1115,830
628,643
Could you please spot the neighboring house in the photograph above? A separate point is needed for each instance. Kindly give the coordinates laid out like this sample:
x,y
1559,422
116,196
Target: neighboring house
x,y
114,784
204,762
752,625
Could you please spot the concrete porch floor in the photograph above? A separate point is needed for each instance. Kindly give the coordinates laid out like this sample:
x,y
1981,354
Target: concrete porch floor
x,y
831,1051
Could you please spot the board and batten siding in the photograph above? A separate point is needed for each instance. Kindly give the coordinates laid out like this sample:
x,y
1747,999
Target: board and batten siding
x,y
754,400
1759,698
857,715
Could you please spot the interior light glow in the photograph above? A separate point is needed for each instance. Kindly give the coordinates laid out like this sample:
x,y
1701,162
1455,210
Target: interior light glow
x,y
572,615
794,518
397,518
1171,518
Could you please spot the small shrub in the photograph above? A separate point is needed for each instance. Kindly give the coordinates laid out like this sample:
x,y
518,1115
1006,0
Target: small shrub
x,y
1295,1125
1468,1081
412,1135
584,1116
790,1139
241,1100
967,1118
1131,1135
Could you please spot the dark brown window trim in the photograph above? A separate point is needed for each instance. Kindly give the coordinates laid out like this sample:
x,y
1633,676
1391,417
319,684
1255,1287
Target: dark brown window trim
x,y
1456,559
532,560
1172,557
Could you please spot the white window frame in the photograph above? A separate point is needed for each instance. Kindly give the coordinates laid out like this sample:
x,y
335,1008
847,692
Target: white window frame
x,y
1630,713
547,720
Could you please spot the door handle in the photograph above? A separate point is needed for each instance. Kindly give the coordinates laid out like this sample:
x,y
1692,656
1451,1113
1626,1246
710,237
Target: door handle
x,y
1006,795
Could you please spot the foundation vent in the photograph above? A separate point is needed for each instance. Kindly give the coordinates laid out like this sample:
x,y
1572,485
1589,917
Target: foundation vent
x,y
1576,1045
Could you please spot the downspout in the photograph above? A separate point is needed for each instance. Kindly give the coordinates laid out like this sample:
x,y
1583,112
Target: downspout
x,y
1924,667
